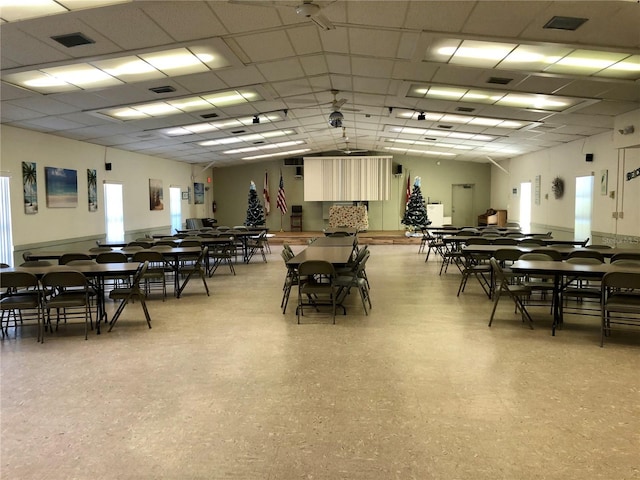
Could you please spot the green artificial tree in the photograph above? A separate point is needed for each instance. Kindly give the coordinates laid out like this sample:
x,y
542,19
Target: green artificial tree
x,y
415,214
255,210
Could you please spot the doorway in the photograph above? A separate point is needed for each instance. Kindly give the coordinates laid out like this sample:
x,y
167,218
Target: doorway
x,y
114,212
584,202
525,207
462,213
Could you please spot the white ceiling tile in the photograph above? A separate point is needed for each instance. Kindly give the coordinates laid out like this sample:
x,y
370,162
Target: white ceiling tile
x,y
281,70
184,21
263,47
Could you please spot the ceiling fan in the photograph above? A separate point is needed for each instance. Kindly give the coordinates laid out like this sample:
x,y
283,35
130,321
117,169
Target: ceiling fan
x,y
346,148
306,9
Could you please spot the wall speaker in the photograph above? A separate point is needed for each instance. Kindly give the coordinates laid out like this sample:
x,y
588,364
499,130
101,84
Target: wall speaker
x,y
298,171
398,169
588,157
107,166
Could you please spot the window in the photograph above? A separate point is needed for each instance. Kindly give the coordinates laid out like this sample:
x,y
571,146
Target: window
x,y
114,212
525,207
584,200
6,237
175,207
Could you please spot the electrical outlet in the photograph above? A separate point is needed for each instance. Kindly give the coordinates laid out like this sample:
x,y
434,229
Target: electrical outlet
x,y
620,214
614,214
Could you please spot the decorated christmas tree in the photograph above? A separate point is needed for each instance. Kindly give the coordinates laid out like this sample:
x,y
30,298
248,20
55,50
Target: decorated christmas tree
x,y
415,214
255,210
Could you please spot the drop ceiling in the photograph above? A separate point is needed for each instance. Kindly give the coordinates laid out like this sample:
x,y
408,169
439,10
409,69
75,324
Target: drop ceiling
x,y
228,82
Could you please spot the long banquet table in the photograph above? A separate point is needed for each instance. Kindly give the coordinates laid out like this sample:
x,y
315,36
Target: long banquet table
x,y
559,270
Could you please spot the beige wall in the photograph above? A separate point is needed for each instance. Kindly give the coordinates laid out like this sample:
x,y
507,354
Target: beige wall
x,y
231,189
568,162
55,225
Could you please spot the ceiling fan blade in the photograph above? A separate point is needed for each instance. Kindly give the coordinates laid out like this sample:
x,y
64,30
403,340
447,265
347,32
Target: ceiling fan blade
x,y
339,103
322,22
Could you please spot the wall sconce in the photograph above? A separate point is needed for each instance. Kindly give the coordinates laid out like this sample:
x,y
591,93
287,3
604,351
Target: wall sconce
x,y
629,129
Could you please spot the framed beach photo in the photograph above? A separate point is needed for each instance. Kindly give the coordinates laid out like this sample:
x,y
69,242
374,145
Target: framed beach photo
x,y
155,194
604,182
61,185
92,190
30,187
198,193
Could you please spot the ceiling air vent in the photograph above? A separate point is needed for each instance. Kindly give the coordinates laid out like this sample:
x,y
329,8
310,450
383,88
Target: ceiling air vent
x,y
465,109
237,132
260,142
165,89
500,80
72,39
446,127
209,115
565,23
431,139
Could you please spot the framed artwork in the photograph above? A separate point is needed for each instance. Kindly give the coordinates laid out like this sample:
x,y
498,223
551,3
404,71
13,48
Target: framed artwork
x,y
604,182
155,194
30,188
185,195
62,187
198,193
537,189
92,189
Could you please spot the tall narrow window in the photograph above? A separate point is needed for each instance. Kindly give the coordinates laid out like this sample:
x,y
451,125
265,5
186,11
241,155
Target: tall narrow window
x,y
584,201
6,237
525,206
114,212
175,204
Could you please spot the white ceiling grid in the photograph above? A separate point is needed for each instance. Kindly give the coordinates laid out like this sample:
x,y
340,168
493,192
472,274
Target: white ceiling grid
x,y
376,53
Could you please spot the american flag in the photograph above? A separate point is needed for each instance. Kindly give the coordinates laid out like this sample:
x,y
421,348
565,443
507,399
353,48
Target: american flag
x,y
265,194
408,190
281,203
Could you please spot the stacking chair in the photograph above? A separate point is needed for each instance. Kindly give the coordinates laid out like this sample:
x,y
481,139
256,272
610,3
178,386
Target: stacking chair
x,y
141,243
477,265
433,244
516,292
114,257
505,241
169,243
318,288
68,291
154,274
586,254
22,299
69,257
290,279
554,254
255,245
127,294
620,301
599,247
191,269
36,263
221,253
100,249
541,283
625,256
531,242
586,292
355,279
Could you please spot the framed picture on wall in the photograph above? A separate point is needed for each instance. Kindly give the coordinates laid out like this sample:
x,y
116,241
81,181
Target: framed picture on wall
x,y
155,194
30,187
61,185
604,182
185,195
92,189
198,193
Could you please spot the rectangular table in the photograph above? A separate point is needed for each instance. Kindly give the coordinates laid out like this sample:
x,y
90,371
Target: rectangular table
x,y
338,256
559,270
564,251
97,271
334,242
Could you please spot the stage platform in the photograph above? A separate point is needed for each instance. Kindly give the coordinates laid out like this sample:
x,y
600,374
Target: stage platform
x,y
366,238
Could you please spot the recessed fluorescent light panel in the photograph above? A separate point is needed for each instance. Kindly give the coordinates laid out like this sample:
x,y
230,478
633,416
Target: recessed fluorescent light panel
x,y
278,154
441,133
254,137
229,123
14,10
182,105
492,97
420,152
264,147
465,119
534,58
117,71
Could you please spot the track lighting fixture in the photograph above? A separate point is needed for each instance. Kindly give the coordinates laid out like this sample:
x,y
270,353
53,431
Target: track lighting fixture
x,y
256,119
421,116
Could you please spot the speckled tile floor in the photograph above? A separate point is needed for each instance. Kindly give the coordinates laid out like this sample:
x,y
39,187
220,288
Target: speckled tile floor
x,y
228,387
